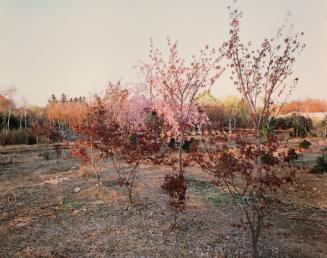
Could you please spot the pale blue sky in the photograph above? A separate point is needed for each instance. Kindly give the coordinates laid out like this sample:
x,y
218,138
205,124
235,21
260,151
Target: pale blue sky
x,y
77,46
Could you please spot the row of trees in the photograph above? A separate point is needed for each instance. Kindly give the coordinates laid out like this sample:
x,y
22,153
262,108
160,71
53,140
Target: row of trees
x,y
228,114
13,116
20,115
305,106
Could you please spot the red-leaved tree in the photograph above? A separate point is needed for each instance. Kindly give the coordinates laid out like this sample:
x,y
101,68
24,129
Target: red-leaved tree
x,y
233,170
89,129
260,75
253,169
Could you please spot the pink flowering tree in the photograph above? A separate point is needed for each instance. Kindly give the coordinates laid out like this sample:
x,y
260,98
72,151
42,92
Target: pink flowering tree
x,y
173,85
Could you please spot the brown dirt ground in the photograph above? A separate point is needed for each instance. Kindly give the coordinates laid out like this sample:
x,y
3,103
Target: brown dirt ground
x,y
42,216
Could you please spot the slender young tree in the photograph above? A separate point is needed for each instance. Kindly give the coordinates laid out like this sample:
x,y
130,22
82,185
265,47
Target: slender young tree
x,y
90,128
261,74
128,146
24,106
132,134
11,94
174,85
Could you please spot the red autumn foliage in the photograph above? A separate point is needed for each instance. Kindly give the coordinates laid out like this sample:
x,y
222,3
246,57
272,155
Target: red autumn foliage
x,y
233,170
89,128
129,147
174,186
109,132
260,75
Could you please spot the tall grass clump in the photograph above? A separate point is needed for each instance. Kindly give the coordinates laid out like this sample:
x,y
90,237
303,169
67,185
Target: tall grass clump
x,y
12,137
320,166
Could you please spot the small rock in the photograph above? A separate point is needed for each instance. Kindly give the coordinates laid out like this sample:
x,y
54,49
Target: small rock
x,y
77,189
62,179
22,224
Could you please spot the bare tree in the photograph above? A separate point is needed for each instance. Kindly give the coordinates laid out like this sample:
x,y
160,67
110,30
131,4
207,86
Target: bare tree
x,y
9,94
261,74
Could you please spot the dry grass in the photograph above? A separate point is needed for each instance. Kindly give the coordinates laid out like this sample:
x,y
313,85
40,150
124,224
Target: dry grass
x,y
42,216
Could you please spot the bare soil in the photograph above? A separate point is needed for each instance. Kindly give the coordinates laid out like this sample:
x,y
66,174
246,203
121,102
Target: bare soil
x,y
42,216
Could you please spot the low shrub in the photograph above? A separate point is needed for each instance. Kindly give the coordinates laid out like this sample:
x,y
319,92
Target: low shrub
x,y
174,186
46,154
268,158
321,165
172,143
301,125
12,137
190,145
133,139
305,144
291,155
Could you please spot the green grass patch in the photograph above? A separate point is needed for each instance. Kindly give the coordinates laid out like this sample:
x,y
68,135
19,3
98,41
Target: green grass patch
x,y
198,185
211,195
67,205
221,198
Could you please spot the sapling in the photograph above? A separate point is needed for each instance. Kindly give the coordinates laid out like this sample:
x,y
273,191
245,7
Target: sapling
x,y
174,84
260,75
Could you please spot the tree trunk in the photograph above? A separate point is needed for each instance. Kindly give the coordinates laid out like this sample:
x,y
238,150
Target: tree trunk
x,y
175,219
180,154
255,231
8,122
57,153
20,122
230,126
325,131
259,162
255,245
98,178
129,191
